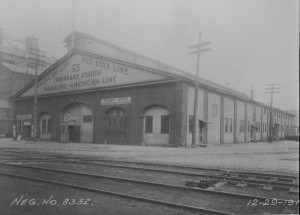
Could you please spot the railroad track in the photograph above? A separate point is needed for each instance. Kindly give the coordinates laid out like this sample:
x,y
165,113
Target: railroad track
x,y
262,175
276,181
144,190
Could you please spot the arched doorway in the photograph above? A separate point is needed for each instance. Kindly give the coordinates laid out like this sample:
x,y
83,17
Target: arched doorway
x,y
116,127
45,126
156,126
76,124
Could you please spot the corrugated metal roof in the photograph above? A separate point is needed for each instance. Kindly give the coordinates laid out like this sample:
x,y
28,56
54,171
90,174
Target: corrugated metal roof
x,y
5,104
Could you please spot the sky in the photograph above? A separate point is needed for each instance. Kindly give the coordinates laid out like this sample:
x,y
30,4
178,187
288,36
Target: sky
x,y
253,42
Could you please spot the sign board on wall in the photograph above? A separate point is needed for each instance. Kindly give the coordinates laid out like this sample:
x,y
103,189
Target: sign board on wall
x,y
116,101
81,72
23,117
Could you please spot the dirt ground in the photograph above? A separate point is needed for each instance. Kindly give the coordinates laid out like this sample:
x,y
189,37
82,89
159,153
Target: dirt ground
x,y
279,156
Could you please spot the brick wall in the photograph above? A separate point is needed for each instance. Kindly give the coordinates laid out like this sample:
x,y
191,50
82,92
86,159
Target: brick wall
x,y
166,95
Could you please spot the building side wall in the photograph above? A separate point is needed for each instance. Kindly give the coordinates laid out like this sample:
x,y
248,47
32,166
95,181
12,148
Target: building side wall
x,y
190,111
250,118
213,131
6,121
12,82
5,82
258,123
240,128
264,118
229,114
166,96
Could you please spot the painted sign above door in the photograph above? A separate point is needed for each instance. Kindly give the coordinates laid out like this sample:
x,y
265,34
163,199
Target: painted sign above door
x,y
81,72
116,101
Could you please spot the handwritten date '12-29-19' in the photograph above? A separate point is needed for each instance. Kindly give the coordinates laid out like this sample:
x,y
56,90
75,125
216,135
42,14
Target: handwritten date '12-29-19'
x,y
272,202
51,201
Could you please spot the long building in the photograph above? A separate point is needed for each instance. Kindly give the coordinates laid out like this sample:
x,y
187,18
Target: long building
x,y
102,93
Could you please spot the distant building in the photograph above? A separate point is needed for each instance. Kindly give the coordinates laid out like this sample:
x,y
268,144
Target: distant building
x,y
295,131
102,93
15,71
6,118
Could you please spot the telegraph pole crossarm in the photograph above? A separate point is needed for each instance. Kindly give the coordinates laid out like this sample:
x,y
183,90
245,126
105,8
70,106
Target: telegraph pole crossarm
x,y
198,51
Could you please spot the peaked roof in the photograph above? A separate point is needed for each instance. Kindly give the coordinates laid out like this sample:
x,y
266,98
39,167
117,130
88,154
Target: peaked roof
x,y
140,61
76,51
80,37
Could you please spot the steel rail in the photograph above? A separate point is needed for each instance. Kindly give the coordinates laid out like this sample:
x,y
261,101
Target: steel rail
x,y
214,192
153,201
280,185
199,168
170,165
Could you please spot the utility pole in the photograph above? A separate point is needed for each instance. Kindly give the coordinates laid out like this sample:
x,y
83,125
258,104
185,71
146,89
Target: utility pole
x,y
34,61
271,89
198,51
73,24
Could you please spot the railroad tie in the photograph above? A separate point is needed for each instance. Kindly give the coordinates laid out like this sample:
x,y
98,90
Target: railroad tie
x,y
219,184
273,179
294,190
253,177
288,210
242,184
267,187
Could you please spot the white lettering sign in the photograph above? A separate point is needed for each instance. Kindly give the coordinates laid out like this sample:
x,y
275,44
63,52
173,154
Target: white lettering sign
x,y
24,117
116,101
81,72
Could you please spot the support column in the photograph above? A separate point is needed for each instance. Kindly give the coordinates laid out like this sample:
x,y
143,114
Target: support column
x,y
268,124
222,120
254,120
184,116
281,125
234,121
205,116
261,123
245,123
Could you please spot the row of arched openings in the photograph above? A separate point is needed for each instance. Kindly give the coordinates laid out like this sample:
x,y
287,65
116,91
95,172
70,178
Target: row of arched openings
x,y
76,125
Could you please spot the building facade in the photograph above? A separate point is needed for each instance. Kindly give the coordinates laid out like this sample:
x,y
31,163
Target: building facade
x,y
116,96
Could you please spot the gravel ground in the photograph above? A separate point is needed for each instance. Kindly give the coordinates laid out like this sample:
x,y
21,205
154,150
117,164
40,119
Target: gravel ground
x,y
279,156
37,193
